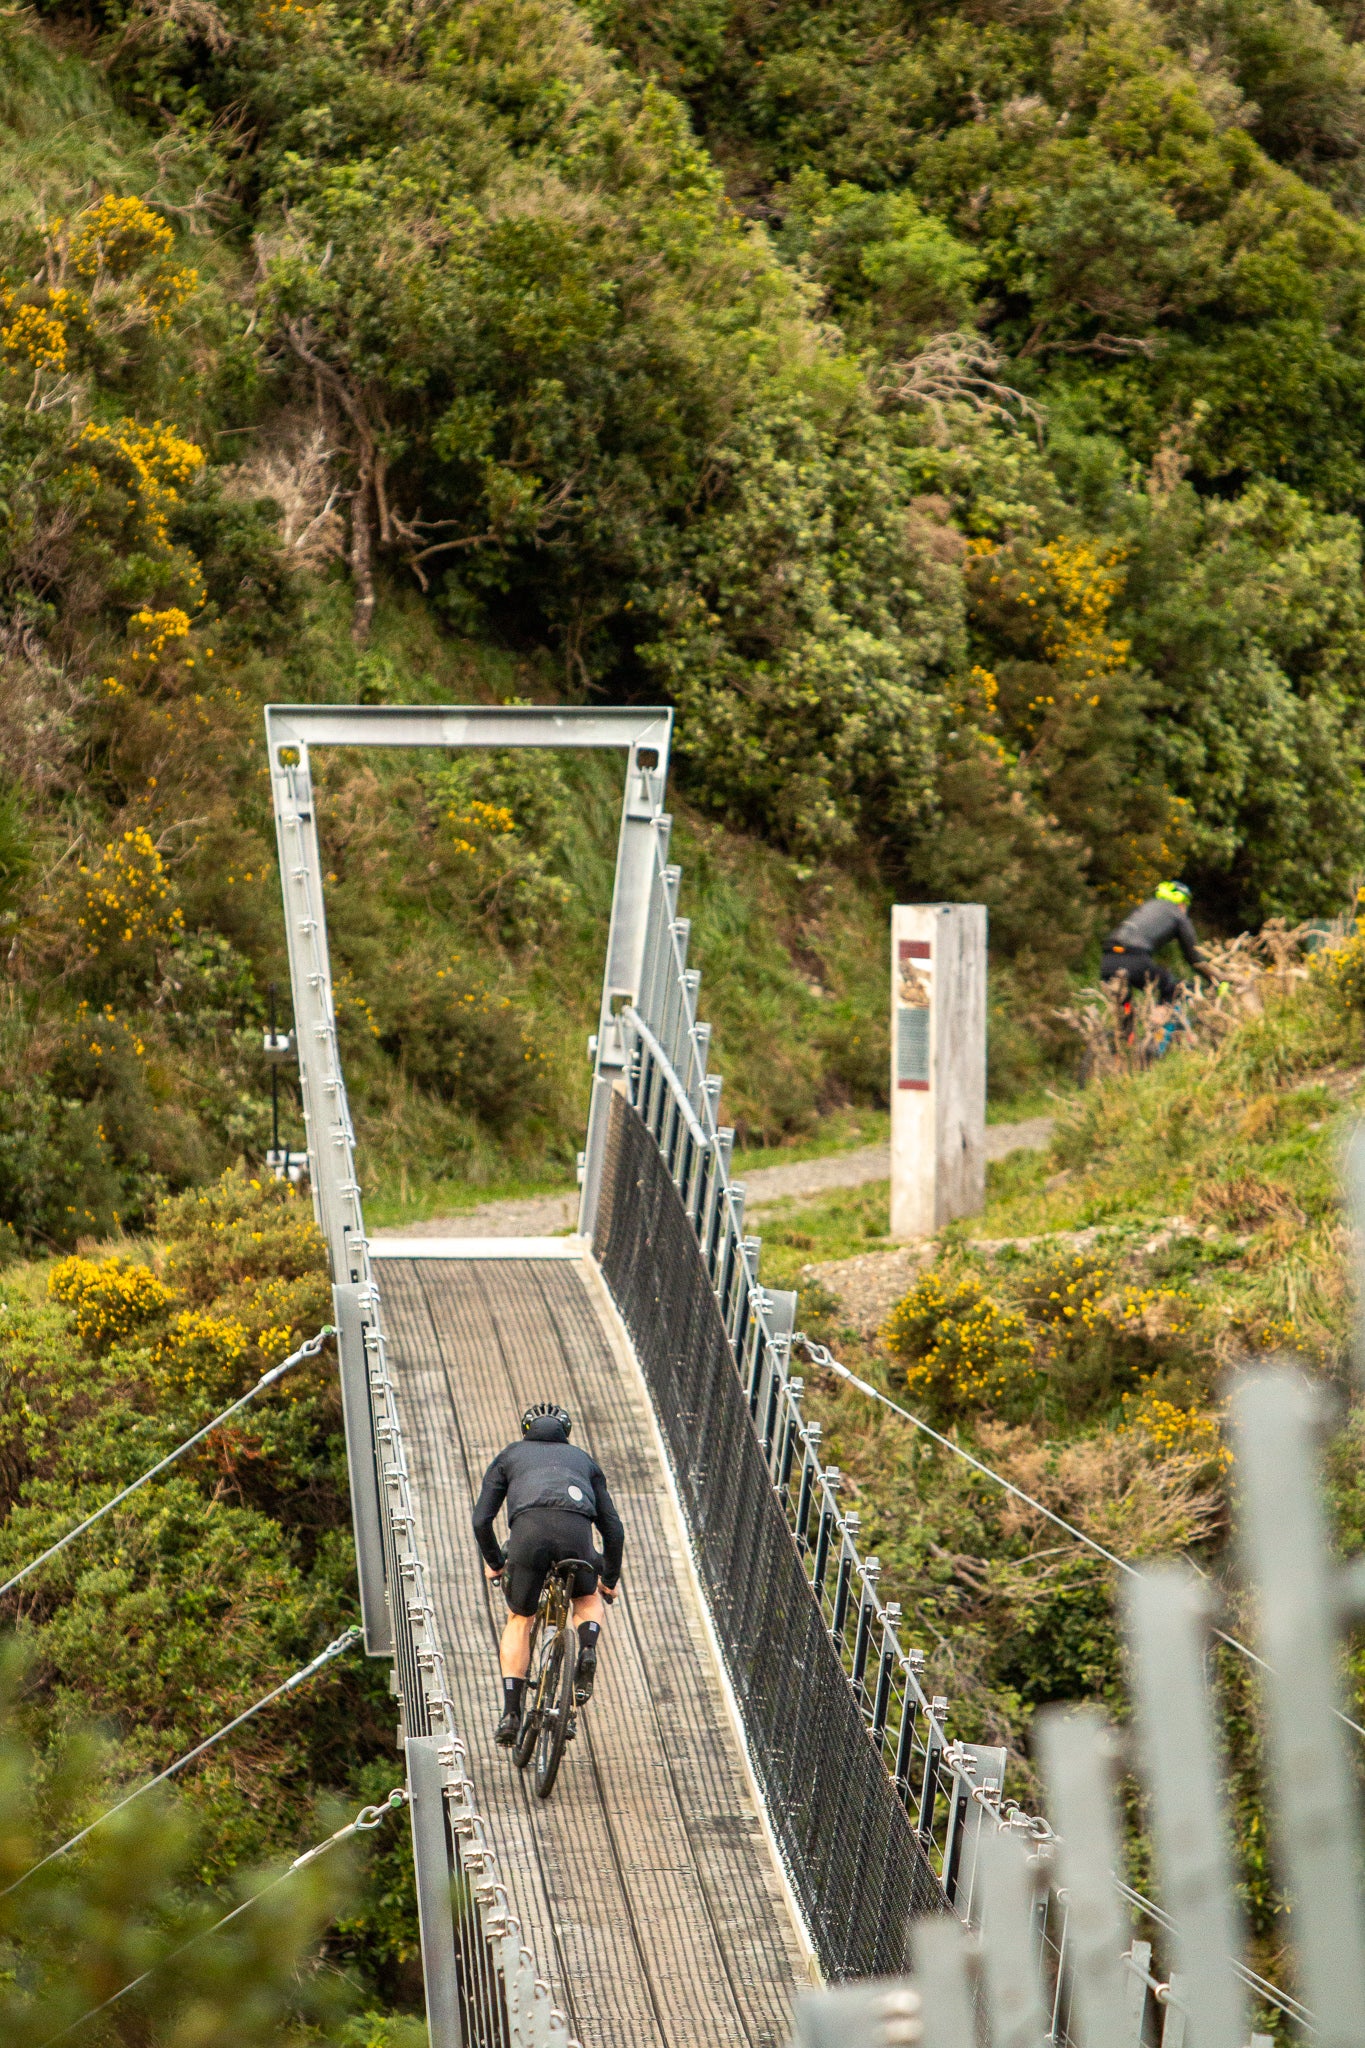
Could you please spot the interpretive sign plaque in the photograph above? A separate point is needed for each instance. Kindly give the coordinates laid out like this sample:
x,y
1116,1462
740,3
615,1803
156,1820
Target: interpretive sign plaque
x,y
938,1065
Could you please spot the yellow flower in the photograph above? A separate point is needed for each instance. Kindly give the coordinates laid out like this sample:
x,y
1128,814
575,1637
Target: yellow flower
x,y
128,897
115,235
36,338
112,1299
159,629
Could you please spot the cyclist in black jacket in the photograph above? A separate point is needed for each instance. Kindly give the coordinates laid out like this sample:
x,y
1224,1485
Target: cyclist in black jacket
x,y
554,1493
1130,949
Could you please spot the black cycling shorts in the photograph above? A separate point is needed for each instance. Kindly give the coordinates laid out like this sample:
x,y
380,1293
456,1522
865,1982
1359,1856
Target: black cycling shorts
x,y
1141,969
538,1539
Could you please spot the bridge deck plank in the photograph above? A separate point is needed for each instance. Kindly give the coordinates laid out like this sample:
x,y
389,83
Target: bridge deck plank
x,y
645,1880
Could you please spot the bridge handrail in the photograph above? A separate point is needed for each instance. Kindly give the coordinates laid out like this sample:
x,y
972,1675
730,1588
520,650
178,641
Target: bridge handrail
x,y
944,1786
907,1723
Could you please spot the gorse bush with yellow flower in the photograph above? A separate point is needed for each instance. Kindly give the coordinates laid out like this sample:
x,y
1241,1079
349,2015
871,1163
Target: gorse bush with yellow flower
x,y
1065,1336
217,1580
506,816
111,1300
1339,970
235,1285
959,1349
130,913
102,289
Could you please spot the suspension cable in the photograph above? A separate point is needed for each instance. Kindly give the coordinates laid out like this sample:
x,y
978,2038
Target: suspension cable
x,y
367,1818
820,1355
324,1657
268,1379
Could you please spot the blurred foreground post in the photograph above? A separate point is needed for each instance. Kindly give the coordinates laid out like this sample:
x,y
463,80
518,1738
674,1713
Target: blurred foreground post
x,y
938,1065
1053,1961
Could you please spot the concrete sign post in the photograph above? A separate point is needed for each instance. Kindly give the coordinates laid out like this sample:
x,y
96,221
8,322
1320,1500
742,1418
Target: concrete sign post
x,y
938,1065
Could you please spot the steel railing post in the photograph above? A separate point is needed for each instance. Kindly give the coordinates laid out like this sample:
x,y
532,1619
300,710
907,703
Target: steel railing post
x,y
433,1869
810,1472
886,1665
825,1527
862,1634
843,1583
366,1505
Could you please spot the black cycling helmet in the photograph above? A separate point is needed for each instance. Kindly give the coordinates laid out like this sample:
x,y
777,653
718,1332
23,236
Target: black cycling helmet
x,y
547,1411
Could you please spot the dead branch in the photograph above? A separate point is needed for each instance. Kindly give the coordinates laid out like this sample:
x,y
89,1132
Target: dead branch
x,y
961,368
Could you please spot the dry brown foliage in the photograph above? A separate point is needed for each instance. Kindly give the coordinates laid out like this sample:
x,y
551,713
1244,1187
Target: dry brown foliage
x,y
1247,1201
1115,1487
296,471
959,370
39,699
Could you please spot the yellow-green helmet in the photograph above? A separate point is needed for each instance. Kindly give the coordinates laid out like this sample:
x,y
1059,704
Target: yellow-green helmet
x,y
1175,892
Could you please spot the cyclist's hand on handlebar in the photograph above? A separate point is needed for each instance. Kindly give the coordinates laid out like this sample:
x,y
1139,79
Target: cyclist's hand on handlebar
x,y
609,1593
494,1576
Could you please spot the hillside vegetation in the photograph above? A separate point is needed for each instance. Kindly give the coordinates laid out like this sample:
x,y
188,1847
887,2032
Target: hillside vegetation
x,y
957,419
1077,1337
957,416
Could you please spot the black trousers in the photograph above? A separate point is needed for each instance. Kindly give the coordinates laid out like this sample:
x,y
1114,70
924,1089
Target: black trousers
x,y
1142,971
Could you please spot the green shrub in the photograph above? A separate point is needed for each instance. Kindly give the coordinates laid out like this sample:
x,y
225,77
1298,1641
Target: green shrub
x,y
213,1583
88,1925
465,1043
59,1178
505,821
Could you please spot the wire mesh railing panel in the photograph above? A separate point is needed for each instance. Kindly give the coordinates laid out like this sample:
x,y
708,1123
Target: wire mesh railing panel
x,y
672,1090
879,1813
857,1866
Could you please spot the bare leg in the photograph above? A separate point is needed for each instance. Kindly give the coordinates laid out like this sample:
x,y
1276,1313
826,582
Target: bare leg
x,y
514,1654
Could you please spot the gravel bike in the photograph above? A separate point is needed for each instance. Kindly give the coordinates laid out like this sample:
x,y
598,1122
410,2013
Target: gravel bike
x,y
549,1717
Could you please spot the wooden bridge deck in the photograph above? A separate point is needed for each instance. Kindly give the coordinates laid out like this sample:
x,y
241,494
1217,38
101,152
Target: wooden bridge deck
x,y
645,1883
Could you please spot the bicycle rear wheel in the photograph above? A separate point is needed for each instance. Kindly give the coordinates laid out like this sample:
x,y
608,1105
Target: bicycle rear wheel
x,y
557,1712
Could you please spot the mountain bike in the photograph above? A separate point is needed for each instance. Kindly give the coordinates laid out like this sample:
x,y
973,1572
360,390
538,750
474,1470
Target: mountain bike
x,y
549,1718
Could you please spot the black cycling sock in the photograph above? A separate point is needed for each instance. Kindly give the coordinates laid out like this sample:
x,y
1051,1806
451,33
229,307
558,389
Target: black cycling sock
x,y
588,1632
513,1690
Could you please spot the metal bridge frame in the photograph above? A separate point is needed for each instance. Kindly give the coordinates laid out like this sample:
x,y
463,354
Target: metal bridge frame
x,y
651,1044
449,1835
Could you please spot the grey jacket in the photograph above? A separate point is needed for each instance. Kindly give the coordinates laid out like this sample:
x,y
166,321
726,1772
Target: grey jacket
x,y
1153,925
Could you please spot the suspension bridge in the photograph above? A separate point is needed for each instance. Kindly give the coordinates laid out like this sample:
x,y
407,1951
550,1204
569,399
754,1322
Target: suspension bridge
x,y
764,1794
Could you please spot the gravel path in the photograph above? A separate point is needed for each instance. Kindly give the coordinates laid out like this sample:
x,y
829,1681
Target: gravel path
x,y
545,1215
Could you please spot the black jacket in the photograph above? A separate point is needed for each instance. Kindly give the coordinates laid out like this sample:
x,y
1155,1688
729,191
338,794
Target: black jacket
x,y
544,1470
1153,925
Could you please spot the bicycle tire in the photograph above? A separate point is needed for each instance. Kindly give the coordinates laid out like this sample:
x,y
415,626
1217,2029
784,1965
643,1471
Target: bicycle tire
x,y
524,1748
555,1721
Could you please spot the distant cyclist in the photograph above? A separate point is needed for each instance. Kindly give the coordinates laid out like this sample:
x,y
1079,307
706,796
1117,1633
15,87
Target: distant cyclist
x,y
1131,949
554,1493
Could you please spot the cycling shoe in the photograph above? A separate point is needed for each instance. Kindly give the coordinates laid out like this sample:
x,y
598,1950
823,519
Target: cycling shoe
x,y
507,1729
585,1674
